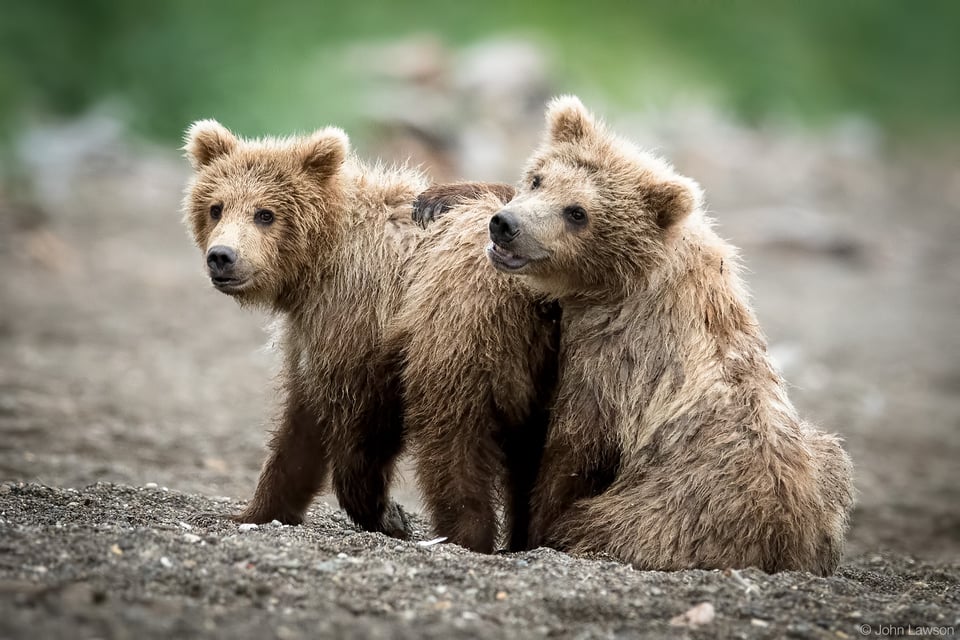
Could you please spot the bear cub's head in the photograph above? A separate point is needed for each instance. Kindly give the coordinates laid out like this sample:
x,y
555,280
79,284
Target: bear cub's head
x,y
261,211
594,214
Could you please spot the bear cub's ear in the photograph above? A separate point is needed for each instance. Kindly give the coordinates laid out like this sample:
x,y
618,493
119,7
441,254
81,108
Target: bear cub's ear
x,y
674,200
207,140
568,120
324,152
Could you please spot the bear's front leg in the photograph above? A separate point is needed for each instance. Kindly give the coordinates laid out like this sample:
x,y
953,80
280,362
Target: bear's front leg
x,y
569,471
295,470
438,199
369,443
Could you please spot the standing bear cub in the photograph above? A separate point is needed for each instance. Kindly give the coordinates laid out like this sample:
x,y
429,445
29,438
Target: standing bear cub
x,y
303,228
672,443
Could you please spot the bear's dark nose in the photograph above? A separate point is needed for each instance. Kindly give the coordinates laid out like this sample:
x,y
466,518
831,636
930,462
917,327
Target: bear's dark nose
x,y
504,227
220,259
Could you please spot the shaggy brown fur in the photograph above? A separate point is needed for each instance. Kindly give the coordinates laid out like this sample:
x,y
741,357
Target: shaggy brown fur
x,y
327,260
672,443
480,367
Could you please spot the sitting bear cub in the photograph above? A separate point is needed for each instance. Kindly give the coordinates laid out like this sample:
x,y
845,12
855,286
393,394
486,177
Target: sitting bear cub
x,y
672,443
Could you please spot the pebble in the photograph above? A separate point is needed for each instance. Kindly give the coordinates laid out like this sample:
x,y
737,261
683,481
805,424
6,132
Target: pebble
x,y
276,523
191,538
184,525
757,622
696,616
165,562
247,526
151,485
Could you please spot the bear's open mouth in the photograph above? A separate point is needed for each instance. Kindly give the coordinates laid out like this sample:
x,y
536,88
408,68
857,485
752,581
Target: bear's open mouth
x,y
230,285
503,259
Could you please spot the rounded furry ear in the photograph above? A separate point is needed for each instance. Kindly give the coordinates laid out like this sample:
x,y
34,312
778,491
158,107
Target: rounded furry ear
x,y
207,140
324,151
674,200
568,120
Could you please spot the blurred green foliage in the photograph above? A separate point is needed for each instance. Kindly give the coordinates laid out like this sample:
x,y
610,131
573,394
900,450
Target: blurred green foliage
x,y
273,66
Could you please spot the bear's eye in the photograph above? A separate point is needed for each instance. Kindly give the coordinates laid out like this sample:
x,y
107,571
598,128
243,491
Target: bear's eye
x,y
216,211
263,216
535,183
575,214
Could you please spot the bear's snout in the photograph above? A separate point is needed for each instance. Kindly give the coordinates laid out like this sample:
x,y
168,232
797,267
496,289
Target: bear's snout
x,y
504,227
221,260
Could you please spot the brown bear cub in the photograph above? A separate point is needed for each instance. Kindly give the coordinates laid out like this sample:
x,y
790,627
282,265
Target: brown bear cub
x,y
303,228
672,443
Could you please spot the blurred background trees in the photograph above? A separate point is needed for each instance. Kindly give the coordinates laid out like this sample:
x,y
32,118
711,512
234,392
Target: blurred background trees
x,y
278,66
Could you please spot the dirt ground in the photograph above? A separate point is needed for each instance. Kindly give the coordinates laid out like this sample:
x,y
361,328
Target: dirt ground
x,y
119,364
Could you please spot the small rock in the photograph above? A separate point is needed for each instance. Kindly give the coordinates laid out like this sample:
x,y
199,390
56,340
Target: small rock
x,y
247,526
501,595
116,550
342,556
191,538
5,489
757,622
184,525
697,616
276,523
150,485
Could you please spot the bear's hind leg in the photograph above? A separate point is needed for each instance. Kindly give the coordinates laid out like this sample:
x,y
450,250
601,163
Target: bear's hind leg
x,y
460,493
458,467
